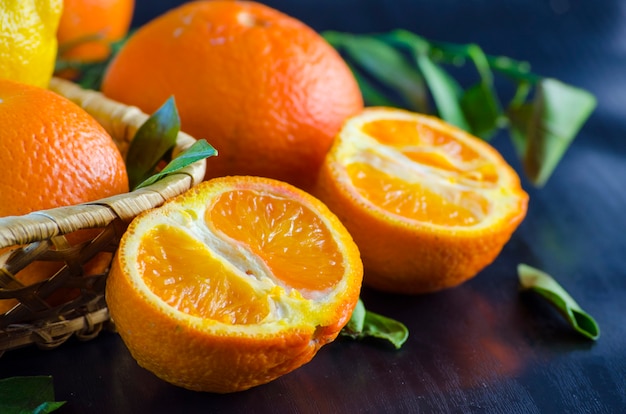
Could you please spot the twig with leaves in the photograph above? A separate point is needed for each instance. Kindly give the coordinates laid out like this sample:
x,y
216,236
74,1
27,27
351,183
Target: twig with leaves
x,y
400,68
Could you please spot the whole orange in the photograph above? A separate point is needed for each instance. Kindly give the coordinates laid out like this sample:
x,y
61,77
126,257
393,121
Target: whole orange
x,y
88,27
265,89
54,154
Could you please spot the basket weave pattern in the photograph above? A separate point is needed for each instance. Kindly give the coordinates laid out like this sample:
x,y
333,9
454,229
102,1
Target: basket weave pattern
x,y
41,236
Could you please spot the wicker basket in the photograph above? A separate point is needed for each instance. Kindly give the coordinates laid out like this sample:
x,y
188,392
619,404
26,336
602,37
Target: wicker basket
x,y
40,236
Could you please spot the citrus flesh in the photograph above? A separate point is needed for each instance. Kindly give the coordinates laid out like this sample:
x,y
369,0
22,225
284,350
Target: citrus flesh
x,y
428,204
233,284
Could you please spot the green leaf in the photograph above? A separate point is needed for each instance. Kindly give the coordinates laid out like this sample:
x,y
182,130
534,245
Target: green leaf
x,y
559,111
366,324
518,71
520,97
481,110
386,64
453,53
446,92
357,320
479,102
199,150
152,141
372,95
459,53
379,326
519,119
21,395
541,129
546,286
90,74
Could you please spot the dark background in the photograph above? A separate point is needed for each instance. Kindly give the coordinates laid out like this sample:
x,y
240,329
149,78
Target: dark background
x,y
483,347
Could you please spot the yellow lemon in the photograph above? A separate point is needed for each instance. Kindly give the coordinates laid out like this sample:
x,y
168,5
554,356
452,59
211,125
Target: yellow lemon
x,y
28,43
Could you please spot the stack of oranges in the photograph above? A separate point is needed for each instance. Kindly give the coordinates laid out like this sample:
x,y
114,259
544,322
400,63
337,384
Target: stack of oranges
x,y
243,266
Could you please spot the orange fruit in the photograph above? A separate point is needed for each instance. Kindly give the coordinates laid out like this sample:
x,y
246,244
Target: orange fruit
x,y
232,284
428,204
88,27
55,154
266,90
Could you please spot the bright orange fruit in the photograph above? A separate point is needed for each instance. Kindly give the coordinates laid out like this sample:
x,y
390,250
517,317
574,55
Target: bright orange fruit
x,y
88,27
233,284
58,154
266,90
55,154
428,204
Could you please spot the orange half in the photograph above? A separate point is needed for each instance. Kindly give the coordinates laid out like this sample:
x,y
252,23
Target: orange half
x,y
236,282
428,204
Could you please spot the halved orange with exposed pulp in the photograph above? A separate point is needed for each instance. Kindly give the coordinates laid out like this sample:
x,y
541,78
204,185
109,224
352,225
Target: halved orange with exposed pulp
x,y
428,204
232,284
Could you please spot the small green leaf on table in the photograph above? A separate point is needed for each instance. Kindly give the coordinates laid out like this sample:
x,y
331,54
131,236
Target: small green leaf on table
x,y
543,284
22,395
366,324
154,138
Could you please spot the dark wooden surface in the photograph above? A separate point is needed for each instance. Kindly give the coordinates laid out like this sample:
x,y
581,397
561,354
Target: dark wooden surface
x,y
483,347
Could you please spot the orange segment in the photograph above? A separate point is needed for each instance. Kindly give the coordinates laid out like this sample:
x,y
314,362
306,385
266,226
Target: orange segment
x,y
416,201
188,277
267,224
233,284
428,204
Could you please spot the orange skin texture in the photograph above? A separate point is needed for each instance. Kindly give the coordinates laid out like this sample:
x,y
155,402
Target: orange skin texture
x,y
58,156
109,19
267,91
399,259
200,356
407,257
